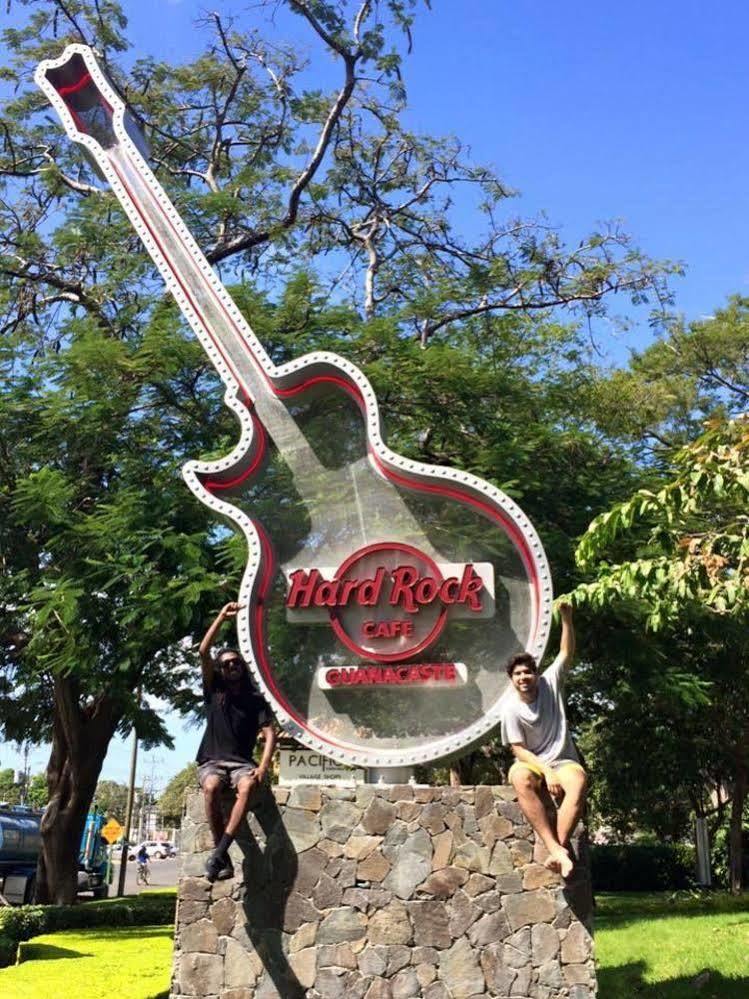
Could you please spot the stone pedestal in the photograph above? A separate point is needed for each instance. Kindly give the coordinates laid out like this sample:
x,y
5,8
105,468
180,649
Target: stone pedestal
x,y
382,893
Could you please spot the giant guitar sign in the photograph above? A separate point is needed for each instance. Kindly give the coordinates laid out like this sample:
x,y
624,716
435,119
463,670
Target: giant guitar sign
x,y
381,595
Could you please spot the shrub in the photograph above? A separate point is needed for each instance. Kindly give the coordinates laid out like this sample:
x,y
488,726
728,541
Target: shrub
x,y
642,868
22,922
8,948
26,921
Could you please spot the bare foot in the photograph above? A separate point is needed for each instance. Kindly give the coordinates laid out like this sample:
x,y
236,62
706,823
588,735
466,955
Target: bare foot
x,y
560,862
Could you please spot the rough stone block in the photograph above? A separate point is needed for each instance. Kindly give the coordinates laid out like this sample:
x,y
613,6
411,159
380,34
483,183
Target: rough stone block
x,y
460,971
373,960
576,945
379,817
200,974
405,985
576,974
199,937
544,944
431,924
342,924
222,915
360,847
443,850
338,818
305,797
529,907
443,883
390,926
304,965
374,868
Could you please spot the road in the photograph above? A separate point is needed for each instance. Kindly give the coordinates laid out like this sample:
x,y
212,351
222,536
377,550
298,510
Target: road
x,y
162,874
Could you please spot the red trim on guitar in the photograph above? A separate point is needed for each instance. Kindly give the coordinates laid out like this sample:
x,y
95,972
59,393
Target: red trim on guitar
x,y
75,87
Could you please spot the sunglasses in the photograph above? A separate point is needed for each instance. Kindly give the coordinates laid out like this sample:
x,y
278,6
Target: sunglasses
x,y
234,661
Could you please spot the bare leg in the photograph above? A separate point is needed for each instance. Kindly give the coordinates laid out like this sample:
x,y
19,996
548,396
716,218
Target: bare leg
x,y
245,787
212,795
527,784
574,782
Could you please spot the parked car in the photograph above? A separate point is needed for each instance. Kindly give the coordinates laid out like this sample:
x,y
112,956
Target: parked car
x,y
156,849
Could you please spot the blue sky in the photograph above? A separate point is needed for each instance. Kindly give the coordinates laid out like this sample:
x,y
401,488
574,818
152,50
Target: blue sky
x,y
591,111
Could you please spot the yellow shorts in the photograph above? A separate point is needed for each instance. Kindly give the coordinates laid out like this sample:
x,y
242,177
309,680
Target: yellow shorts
x,y
556,765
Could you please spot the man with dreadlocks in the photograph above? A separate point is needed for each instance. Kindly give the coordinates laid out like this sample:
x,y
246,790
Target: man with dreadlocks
x,y
235,713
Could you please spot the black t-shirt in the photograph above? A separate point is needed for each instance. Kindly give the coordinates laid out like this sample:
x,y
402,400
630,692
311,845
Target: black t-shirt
x,y
233,722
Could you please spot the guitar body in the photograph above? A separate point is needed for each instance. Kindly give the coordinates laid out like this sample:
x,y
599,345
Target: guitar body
x,y
382,596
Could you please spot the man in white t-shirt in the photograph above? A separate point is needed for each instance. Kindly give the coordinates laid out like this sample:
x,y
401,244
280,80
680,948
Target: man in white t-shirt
x,y
534,724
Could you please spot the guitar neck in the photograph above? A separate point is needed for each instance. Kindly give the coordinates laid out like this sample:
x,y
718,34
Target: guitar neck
x,y
95,116
222,330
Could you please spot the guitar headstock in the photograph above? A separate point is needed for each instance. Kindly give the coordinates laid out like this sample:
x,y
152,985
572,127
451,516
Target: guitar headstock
x,y
81,94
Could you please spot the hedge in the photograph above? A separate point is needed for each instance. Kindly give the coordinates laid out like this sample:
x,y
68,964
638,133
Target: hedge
x,y
26,921
666,867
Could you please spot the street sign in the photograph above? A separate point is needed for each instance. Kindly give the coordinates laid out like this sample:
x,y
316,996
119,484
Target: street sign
x,y
112,831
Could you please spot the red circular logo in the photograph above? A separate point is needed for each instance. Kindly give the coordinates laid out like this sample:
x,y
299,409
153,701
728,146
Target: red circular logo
x,y
394,610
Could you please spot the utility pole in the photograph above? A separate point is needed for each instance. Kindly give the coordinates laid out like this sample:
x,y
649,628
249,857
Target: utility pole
x,y
156,761
141,811
25,779
128,812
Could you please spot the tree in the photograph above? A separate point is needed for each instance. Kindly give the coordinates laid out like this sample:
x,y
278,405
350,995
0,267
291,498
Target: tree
x,y
694,554
108,564
637,697
38,794
10,792
663,397
270,173
171,803
111,798
678,560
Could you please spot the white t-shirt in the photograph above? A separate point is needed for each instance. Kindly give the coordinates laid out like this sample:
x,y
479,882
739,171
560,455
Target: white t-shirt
x,y
541,726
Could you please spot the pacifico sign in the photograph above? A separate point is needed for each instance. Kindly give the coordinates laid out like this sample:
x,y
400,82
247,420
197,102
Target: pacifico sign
x,y
381,595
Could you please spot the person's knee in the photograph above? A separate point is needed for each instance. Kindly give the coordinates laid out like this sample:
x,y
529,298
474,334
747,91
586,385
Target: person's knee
x,y
523,781
244,789
211,788
577,790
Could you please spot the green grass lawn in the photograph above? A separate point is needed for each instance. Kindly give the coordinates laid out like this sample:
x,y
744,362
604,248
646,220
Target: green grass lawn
x,y
657,947
652,946
130,962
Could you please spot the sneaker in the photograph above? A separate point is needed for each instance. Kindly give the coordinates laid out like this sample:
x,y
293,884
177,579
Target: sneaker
x,y
219,867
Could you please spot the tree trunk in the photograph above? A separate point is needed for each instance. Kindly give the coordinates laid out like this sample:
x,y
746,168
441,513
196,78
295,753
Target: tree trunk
x,y
81,737
461,771
736,828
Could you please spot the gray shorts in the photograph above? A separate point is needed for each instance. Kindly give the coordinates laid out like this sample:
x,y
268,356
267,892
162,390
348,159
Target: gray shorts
x,y
229,773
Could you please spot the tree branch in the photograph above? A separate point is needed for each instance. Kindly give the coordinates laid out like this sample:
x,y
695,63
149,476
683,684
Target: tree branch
x,y
223,250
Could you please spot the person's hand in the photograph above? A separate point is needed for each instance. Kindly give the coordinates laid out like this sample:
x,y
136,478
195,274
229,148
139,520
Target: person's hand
x,y
231,609
552,782
259,775
565,610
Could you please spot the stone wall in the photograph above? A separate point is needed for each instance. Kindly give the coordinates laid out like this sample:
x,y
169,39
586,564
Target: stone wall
x,y
381,893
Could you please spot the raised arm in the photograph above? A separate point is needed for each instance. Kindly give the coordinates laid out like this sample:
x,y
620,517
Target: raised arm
x,y
209,640
567,641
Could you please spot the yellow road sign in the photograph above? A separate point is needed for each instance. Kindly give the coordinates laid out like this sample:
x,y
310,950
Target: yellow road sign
x,y
112,831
